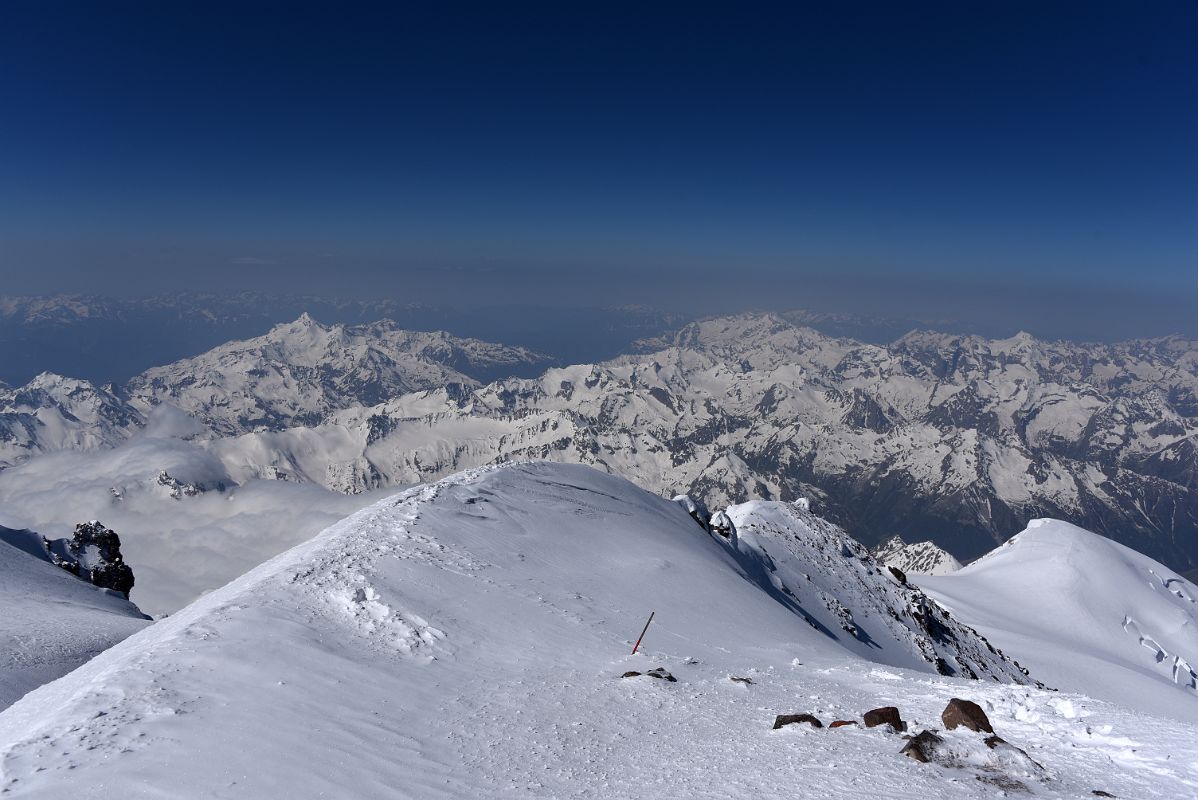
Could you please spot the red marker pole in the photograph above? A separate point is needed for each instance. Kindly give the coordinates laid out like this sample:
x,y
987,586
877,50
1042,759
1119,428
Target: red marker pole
x,y
642,636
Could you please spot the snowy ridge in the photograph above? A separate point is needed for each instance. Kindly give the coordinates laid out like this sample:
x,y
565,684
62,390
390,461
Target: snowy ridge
x,y
467,640
840,589
920,558
1088,614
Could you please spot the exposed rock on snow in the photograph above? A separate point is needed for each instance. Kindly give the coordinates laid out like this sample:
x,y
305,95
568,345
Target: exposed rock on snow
x,y
782,720
887,715
965,714
94,554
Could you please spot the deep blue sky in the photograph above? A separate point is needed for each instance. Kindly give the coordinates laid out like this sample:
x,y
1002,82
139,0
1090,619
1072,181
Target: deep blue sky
x,y
1002,158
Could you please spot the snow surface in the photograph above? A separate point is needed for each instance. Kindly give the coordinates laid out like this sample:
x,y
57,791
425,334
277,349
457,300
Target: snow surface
x,y
181,540
1084,614
467,638
50,620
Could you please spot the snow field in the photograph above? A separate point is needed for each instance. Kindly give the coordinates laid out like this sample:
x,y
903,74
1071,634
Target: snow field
x,y
466,639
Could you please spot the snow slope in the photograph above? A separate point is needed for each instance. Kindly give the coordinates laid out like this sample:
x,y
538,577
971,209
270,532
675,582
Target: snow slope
x,y
1085,614
467,638
51,621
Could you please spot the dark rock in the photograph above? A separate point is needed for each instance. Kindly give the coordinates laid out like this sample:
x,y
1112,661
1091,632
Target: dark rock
x,y
791,719
840,723
94,554
898,574
965,713
1100,793
745,681
657,672
887,715
922,746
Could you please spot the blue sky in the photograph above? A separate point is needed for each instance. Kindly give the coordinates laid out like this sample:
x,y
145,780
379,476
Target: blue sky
x,y
1001,158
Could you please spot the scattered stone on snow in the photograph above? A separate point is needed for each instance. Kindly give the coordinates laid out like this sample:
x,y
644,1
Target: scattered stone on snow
x,y
738,679
922,746
790,719
656,672
887,715
965,713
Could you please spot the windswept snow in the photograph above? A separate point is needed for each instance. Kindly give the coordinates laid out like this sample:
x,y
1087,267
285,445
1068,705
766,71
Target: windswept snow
x,y
1085,614
467,638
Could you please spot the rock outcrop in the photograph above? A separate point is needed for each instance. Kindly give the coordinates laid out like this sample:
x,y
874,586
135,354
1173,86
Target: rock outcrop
x,y
94,554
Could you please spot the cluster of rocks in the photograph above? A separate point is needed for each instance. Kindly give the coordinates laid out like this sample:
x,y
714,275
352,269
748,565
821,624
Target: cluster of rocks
x,y
887,715
657,672
999,763
93,554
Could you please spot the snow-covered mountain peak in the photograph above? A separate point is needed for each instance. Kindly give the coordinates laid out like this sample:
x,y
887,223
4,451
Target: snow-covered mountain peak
x,y
299,372
1088,613
920,558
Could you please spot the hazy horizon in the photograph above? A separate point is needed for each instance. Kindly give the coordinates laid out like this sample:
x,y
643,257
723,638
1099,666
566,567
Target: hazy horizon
x,y
1017,167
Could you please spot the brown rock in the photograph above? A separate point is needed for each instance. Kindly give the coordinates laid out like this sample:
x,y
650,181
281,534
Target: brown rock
x,y
922,746
887,715
965,713
791,719
630,674
840,723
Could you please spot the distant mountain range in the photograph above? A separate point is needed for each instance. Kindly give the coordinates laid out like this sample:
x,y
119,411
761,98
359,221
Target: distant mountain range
x,y
955,439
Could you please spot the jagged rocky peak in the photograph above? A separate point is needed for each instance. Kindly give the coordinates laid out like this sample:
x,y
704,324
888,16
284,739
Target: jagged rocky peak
x,y
94,554
175,488
920,558
834,583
